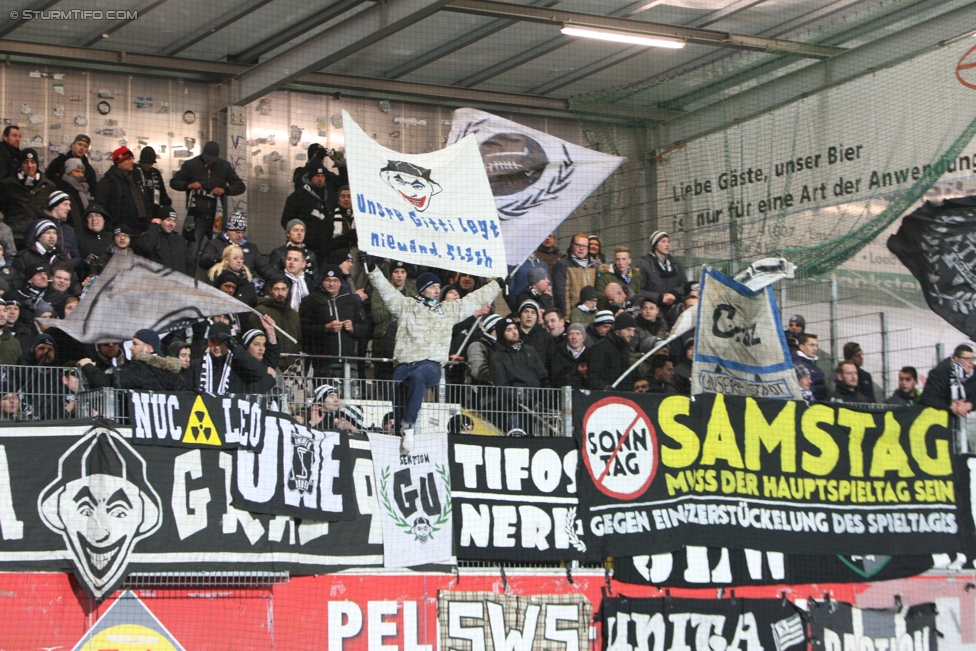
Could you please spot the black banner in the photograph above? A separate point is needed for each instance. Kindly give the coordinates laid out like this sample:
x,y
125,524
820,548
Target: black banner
x,y
937,243
79,496
299,472
197,420
515,499
701,624
661,473
836,626
710,567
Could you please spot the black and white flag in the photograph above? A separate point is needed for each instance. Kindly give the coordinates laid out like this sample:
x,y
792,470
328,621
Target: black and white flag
x,y
937,243
133,293
537,179
835,626
415,499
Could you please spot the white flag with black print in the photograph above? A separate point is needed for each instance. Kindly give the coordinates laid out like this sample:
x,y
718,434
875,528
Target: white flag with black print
x,y
432,209
538,180
133,293
415,499
740,346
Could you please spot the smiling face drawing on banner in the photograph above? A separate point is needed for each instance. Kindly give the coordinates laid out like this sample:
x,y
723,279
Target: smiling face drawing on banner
x,y
102,504
412,182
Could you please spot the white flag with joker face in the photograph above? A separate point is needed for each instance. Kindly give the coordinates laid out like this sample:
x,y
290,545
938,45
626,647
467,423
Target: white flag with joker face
x,y
537,180
431,209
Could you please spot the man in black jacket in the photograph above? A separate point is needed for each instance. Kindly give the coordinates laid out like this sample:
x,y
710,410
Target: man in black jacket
x,y
206,179
226,367
119,193
515,363
952,384
150,180
534,334
9,151
163,244
36,290
146,371
846,388
610,357
333,323
311,205
294,238
235,229
24,194
79,150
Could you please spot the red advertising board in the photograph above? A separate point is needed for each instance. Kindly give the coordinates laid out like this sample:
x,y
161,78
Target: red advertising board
x,y
364,612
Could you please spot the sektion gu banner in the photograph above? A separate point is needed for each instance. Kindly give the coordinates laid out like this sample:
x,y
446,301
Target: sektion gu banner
x,y
662,473
740,348
415,500
431,209
727,624
95,504
515,499
836,626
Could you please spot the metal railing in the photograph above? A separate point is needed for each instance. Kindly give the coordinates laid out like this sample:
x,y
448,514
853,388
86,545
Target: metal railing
x,y
29,393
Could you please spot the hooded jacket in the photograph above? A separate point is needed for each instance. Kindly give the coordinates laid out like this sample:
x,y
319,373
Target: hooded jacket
x,y
21,204
318,309
144,372
95,244
424,331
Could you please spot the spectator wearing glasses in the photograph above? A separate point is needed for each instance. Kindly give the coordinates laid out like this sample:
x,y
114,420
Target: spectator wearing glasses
x,y
952,383
572,273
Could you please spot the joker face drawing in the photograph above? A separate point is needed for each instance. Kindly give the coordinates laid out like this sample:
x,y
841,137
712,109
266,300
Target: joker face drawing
x,y
411,182
101,504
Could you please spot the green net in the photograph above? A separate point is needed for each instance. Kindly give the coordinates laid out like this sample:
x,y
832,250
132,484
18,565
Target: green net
x,y
759,153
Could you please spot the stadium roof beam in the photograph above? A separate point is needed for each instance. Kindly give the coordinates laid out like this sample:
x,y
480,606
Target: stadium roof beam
x,y
330,46
877,55
689,34
255,52
102,32
771,66
209,29
220,71
14,24
458,43
631,52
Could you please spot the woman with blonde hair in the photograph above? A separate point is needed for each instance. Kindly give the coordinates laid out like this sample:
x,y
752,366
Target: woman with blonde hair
x,y
231,268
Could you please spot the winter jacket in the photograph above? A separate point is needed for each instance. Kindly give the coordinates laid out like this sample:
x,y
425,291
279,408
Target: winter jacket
x,y
479,358
818,382
245,370
116,195
67,240
517,366
609,358
865,384
564,366
153,188
382,317
219,174
424,332
544,300
318,309
56,168
213,252
518,282
78,207
11,352
655,283
168,249
938,393
29,257
22,204
95,244
543,342
312,206
288,320
568,278
632,290
550,256
144,372
581,316
8,160
843,393
899,397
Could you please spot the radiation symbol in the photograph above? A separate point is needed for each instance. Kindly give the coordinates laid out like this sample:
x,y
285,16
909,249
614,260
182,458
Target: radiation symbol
x,y
200,427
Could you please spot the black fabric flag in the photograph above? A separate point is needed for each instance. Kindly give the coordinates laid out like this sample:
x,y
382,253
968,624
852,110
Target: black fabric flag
x,y
728,624
835,626
937,243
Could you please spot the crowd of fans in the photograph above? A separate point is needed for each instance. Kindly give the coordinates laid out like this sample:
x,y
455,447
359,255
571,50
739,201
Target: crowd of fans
x,y
579,317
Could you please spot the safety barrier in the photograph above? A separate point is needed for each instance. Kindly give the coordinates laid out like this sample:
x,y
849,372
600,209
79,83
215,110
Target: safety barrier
x,y
30,393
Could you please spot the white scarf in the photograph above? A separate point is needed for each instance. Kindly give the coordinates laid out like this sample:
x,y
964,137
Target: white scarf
x,y
957,381
29,180
573,352
299,289
206,375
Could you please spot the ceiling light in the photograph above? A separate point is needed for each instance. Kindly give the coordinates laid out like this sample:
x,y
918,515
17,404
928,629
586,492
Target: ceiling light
x,y
623,37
